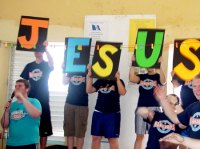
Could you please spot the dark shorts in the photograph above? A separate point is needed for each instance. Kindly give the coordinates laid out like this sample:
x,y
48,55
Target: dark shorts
x,y
106,124
45,121
75,120
31,146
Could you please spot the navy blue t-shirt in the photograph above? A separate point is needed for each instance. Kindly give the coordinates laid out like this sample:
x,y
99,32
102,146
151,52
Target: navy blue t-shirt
x,y
191,117
187,95
161,125
38,75
77,90
147,84
108,96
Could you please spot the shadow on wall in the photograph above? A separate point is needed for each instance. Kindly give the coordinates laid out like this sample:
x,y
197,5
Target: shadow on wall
x,y
58,147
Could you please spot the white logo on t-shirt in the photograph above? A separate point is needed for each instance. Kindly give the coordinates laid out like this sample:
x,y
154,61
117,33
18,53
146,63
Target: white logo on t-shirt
x,y
36,74
106,90
148,84
164,126
195,122
17,115
77,80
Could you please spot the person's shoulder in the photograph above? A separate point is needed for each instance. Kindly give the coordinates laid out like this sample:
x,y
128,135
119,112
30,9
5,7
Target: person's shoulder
x,y
142,74
46,65
31,63
157,113
33,100
46,62
193,105
157,75
160,116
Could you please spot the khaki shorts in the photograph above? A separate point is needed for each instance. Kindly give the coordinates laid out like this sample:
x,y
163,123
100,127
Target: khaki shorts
x,y
75,120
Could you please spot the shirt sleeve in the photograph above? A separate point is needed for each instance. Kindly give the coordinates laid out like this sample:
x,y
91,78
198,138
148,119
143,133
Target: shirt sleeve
x,y
96,85
140,76
48,68
122,82
184,117
36,104
158,78
25,73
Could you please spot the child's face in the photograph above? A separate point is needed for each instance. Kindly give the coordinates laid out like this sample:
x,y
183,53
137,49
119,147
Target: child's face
x,y
172,100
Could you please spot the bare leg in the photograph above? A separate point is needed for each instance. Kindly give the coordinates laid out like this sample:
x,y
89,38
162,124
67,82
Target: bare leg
x,y
96,142
138,141
43,142
79,143
70,142
114,144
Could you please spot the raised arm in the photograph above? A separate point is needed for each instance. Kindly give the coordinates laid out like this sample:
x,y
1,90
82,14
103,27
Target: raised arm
x,y
31,109
65,79
121,88
160,96
49,57
162,75
5,116
132,76
178,139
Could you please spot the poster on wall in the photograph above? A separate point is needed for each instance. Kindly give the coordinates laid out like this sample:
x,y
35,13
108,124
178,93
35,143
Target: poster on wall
x,y
149,48
186,58
77,55
32,33
97,30
106,59
119,28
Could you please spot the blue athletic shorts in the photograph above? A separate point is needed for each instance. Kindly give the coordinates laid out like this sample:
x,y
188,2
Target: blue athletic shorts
x,y
106,124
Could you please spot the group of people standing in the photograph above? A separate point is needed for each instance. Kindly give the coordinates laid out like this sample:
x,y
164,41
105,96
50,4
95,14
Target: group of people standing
x,y
106,117
27,114
29,110
177,123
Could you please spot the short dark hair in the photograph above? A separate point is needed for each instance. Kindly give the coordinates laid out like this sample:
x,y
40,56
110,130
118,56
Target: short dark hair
x,y
175,77
26,83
